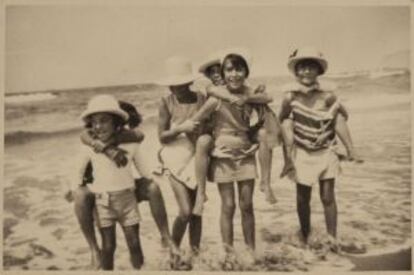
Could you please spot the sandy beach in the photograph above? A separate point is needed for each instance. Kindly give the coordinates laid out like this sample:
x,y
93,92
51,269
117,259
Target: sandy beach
x,y
40,231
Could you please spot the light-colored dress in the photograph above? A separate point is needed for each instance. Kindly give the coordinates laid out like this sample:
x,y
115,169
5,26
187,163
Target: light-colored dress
x,y
228,162
177,157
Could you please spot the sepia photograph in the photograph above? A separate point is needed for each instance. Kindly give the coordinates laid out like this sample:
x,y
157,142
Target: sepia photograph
x,y
207,136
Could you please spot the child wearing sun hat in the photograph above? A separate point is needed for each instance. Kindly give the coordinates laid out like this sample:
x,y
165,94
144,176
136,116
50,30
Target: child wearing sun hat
x,y
113,185
317,117
178,137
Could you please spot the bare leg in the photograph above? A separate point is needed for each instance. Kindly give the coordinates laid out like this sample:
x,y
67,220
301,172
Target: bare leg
x,y
84,206
147,189
183,198
203,147
327,194
195,227
265,161
134,245
108,247
303,197
226,191
246,189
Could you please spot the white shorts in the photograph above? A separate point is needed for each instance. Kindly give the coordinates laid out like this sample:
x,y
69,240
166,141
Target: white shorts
x,y
311,167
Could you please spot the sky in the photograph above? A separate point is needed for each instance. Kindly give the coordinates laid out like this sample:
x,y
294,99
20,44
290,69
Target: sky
x,y
74,46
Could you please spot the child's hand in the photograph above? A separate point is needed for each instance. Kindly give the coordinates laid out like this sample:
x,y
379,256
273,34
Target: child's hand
x,y
251,150
321,139
69,196
239,101
289,170
354,157
188,126
117,155
260,89
98,146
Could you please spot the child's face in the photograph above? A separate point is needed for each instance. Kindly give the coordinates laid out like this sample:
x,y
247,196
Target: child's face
x,y
307,72
234,76
214,74
103,125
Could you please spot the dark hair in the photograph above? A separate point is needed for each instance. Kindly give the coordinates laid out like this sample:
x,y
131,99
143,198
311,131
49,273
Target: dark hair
x,y
310,60
135,118
238,62
209,68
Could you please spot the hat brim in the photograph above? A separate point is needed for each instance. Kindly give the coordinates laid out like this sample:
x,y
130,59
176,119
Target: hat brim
x,y
177,80
203,67
117,112
294,61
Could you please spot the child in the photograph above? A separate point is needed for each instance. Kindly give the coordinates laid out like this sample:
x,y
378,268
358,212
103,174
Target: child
x,y
232,158
266,139
266,132
317,116
113,185
178,139
146,189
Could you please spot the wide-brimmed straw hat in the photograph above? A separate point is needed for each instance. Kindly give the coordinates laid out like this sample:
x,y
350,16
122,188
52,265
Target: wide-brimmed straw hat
x,y
178,72
307,53
104,104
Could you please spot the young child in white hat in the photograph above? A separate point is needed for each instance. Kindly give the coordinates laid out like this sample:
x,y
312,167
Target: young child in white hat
x,y
146,189
317,117
114,186
178,137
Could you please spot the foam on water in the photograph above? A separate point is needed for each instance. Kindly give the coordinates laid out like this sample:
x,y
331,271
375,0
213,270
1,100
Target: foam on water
x,y
24,98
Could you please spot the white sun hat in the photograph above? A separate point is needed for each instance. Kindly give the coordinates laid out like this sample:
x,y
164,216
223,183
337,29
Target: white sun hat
x,y
212,59
178,72
104,104
307,53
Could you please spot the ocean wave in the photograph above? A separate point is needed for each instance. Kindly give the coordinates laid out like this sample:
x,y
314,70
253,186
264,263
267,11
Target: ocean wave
x,y
22,98
19,137
22,137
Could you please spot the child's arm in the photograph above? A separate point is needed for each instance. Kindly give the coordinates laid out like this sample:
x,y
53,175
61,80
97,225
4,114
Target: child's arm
x,y
111,151
87,139
130,136
342,130
288,144
285,108
206,110
166,133
81,163
141,161
222,93
258,95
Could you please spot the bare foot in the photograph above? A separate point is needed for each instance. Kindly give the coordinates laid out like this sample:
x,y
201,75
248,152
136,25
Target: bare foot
x,y
270,197
95,260
262,186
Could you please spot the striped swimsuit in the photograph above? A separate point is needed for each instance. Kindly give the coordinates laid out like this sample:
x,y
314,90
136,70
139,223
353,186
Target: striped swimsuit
x,y
314,161
309,124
